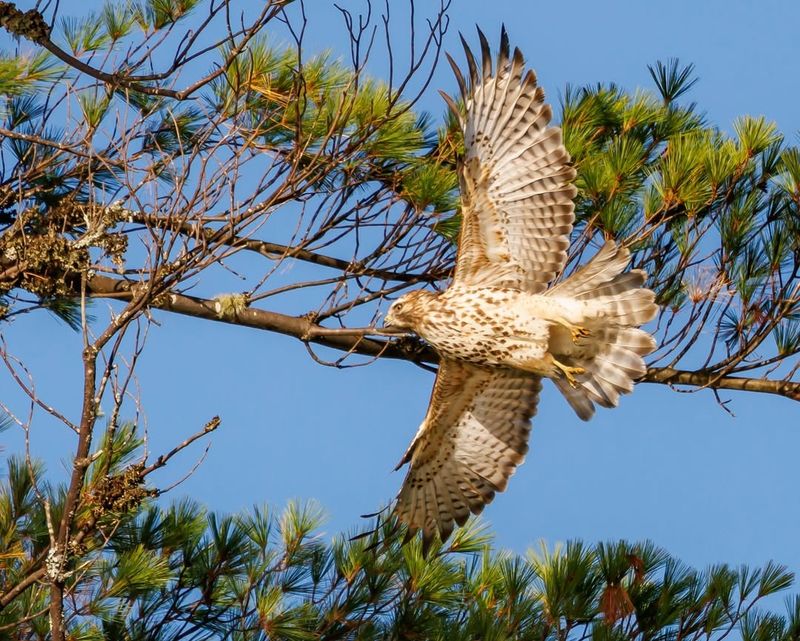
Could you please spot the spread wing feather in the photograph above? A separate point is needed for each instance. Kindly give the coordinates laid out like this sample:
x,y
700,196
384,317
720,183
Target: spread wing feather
x,y
472,439
516,180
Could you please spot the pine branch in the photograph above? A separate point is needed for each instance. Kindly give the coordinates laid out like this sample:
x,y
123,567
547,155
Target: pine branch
x,y
702,379
355,341
300,327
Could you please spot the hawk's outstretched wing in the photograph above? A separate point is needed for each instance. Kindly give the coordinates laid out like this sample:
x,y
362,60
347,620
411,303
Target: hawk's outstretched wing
x,y
517,214
516,180
472,439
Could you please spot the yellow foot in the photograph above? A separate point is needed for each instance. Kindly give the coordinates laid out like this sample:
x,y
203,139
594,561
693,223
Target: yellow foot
x,y
578,333
569,372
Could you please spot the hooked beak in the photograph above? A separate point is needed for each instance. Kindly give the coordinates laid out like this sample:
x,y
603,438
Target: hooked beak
x,y
389,326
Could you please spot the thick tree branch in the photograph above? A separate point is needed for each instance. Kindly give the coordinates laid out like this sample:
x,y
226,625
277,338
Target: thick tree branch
x,y
305,329
301,327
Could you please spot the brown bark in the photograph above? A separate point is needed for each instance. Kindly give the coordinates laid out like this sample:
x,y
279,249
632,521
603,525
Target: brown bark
x,y
301,327
57,611
20,587
304,328
669,376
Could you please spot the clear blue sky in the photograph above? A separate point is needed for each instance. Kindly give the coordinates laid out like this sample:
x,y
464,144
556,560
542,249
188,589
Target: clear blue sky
x,y
670,467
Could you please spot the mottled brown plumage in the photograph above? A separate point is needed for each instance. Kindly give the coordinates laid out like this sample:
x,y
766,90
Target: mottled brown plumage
x,y
498,328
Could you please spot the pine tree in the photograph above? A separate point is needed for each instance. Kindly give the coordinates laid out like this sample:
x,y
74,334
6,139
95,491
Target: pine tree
x,y
156,572
145,145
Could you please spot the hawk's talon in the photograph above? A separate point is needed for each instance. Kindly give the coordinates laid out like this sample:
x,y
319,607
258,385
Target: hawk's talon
x,y
569,373
579,332
576,331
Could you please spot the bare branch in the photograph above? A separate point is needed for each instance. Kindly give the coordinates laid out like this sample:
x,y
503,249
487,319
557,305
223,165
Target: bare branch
x,y
163,459
356,341
709,380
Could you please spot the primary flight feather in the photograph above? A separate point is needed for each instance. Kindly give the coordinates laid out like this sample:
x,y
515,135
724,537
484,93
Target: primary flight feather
x,y
498,329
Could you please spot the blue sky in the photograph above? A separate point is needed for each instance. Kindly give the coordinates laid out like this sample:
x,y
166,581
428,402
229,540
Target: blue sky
x,y
674,468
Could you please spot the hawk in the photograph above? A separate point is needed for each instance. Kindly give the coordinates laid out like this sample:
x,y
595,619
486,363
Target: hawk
x,y
501,326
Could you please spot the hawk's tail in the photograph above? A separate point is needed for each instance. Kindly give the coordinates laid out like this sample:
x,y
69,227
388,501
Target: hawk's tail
x,y
610,359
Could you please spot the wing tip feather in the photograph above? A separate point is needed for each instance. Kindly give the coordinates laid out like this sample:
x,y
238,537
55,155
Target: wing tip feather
x,y
486,55
473,66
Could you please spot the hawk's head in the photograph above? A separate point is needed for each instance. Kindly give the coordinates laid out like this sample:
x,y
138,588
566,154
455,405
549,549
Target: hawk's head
x,y
408,311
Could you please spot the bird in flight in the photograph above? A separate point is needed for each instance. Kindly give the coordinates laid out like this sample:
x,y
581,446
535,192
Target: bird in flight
x,y
502,325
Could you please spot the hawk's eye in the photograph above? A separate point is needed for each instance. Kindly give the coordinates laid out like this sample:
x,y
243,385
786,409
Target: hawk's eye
x,y
398,307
